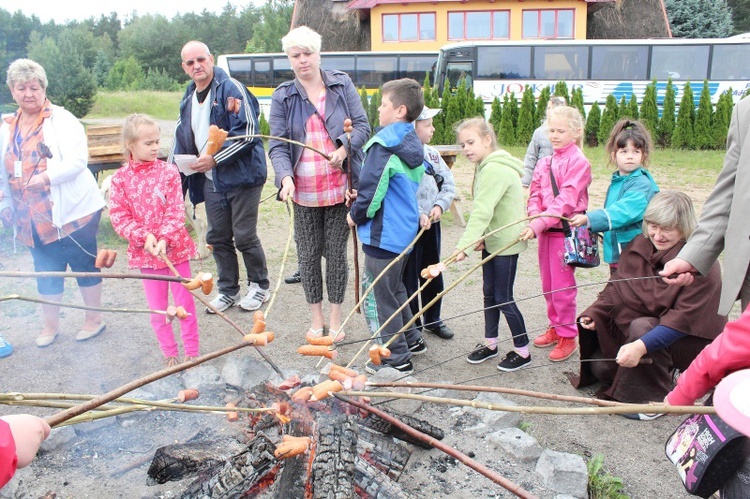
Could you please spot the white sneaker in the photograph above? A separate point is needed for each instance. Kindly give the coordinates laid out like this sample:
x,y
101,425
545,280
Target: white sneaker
x,y
255,297
223,302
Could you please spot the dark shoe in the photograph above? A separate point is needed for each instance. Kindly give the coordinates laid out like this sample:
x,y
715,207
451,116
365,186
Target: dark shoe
x,y
480,354
513,362
642,416
293,279
406,368
418,348
441,331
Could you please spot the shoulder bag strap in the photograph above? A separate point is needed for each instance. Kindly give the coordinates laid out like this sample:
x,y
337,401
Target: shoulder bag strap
x,y
556,192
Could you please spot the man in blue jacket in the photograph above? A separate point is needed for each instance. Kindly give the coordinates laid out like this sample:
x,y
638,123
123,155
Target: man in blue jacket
x,y
231,180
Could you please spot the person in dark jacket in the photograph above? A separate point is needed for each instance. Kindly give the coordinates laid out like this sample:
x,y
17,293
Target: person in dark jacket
x,y
386,215
311,109
229,181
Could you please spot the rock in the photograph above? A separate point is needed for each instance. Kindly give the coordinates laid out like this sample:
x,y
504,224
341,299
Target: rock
x,y
8,491
564,473
388,375
519,444
83,429
492,418
244,372
58,438
205,379
140,393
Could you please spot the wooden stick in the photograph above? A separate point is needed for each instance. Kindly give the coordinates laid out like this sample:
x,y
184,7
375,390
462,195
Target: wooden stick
x,y
283,139
283,262
497,389
63,416
82,307
350,181
103,275
526,409
222,315
476,466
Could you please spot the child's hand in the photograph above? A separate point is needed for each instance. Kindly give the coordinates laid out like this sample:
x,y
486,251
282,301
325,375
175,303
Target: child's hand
x,y
161,247
150,245
459,256
350,195
579,221
587,322
424,221
350,221
527,234
28,433
630,354
436,213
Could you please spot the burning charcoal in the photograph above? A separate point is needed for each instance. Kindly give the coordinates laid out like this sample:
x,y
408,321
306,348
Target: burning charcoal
x,y
376,423
335,455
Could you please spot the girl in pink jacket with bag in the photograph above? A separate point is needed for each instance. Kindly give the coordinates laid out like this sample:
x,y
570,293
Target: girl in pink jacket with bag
x,y
146,207
570,171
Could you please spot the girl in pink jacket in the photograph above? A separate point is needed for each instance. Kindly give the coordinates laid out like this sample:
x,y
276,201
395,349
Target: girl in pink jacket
x,y
147,209
567,197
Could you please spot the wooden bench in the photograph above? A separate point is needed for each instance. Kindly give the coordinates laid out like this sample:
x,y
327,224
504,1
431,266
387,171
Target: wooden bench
x,y
449,154
105,148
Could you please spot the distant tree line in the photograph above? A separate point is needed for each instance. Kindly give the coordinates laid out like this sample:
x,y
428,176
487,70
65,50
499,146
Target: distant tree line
x,y
81,57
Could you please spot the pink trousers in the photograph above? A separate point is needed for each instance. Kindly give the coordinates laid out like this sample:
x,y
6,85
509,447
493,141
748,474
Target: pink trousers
x,y
561,305
157,297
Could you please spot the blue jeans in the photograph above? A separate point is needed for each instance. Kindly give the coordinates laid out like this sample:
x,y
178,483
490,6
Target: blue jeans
x,y
498,275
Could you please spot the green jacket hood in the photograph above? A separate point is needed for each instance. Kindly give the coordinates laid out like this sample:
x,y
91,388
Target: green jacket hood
x,y
505,159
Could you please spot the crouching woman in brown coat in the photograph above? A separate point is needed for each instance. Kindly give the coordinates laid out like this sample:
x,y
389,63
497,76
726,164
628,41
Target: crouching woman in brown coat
x,y
666,326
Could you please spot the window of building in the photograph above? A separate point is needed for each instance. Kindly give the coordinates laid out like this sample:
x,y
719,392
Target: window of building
x,y
549,23
409,27
479,25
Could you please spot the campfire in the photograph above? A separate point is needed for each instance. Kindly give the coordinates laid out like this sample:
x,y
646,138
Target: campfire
x,y
325,448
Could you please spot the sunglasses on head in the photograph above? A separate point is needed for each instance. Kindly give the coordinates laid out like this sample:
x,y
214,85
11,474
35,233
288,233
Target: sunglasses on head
x,y
199,60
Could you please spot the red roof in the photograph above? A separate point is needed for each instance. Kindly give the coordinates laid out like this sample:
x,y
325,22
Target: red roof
x,y
369,4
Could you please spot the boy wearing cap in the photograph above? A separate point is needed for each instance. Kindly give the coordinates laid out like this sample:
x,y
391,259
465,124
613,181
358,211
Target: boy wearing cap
x,y
435,194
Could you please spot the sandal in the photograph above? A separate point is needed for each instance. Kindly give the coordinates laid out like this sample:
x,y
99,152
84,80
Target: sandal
x,y
171,362
337,335
189,358
315,333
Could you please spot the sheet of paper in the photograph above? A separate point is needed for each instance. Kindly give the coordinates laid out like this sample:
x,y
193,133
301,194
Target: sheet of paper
x,y
184,162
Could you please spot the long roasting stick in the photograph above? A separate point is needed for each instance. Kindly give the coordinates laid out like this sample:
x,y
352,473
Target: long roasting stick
x,y
348,128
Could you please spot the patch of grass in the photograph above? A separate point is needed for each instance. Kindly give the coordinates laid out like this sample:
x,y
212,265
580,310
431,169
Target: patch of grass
x,y
158,105
602,485
524,426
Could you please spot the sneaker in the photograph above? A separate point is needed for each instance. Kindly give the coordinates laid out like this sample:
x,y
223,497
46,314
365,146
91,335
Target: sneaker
x,y
441,331
513,362
565,348
480,354
642,416
406,368
293,279
548,339
223,302
5,348
255,297
418,348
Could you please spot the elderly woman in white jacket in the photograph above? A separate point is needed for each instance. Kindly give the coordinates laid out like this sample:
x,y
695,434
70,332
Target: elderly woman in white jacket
x,y
50,197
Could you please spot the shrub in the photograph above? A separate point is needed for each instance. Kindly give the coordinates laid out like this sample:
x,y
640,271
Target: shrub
x,y
721,119
649,110
576,100
608,120
703,135
683,135
666,123
561,90
263,126
592,125
541,106
526,127
633,107
507,135
622,108
496,115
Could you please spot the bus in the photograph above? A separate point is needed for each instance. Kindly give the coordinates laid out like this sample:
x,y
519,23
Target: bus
x,y
262,73
598,67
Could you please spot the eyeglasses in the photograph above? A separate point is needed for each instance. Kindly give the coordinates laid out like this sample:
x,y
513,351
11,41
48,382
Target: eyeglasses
x,y
199,60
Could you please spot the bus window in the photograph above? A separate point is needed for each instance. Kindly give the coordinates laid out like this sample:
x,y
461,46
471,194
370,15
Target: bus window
x,y
561,63
724,63
343,63
456,71
241,70
619,62
262,69
503,62
376,70
282,70
416,66
687,62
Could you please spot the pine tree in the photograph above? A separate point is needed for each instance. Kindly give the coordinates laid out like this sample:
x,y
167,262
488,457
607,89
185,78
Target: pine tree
x,y
699,18
683,136
541,106
263,126
666,123
703,131
479,108
649,110
592,125
462,101
576,100
496,115
561,90
609,118
453,114
633,107
720,126
622,108
445,130
526,127
507,135
365,101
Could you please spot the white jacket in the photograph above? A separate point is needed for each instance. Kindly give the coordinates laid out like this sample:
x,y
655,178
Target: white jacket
x,y
74,191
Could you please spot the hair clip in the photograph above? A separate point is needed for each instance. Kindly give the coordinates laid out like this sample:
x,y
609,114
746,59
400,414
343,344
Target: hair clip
x,y
628,125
